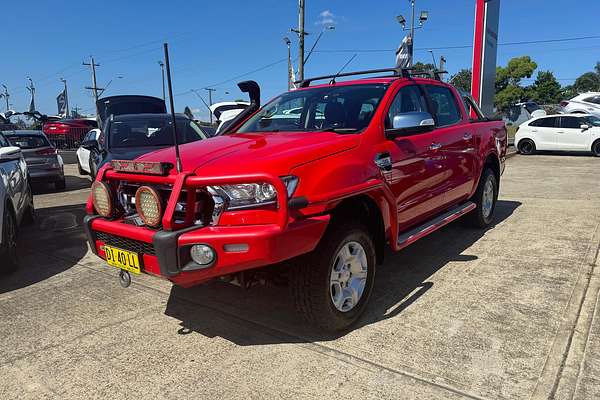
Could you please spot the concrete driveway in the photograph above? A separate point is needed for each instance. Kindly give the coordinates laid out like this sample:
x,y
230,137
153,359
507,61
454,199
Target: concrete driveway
x,y
508,313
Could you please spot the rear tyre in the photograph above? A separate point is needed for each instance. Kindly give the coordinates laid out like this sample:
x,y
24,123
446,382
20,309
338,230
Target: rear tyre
x,y
29,216
485,199
79,169
596,148
526,147
8,249
93,171
331,286
60,184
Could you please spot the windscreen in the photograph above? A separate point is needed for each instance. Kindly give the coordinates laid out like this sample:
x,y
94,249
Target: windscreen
x,y
28,141
348,108
148,131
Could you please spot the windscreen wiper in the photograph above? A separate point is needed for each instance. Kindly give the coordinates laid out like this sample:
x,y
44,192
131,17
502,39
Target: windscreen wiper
x,y
338,130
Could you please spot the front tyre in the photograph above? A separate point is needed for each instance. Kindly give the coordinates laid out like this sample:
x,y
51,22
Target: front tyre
x,y
332,285
485,199
8,248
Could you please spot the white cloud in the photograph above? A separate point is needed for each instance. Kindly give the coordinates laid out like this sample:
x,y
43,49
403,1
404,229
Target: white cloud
x,y
327,18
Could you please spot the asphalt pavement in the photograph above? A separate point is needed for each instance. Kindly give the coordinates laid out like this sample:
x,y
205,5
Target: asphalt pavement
x,y
506,313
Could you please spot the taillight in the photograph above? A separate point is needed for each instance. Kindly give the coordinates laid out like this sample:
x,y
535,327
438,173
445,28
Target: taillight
x,y
54,128
46,152
564,104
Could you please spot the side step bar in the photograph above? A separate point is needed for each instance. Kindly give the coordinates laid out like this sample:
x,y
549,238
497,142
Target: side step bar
x,y
411,236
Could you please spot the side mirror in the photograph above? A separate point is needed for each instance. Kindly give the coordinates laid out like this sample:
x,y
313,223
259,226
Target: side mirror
x,y
90,144
10,153
585,127
410,123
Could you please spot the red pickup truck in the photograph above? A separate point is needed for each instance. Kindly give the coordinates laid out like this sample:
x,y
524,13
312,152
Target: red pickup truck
x,y
314,185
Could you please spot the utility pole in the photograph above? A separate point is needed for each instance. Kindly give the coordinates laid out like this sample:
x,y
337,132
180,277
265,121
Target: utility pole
x,y
76,110
422,18
301,33
6,96
210,90
94,88
31,89
162,68
63,80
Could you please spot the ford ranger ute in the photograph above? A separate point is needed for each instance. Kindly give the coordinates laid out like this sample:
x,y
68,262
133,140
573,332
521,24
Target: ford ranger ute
x,y
319,181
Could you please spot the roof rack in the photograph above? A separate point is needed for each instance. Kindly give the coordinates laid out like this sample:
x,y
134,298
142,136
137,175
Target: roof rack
x,y
398,72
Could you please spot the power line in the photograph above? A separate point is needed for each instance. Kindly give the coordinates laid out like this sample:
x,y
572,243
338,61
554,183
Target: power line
x,y
571,39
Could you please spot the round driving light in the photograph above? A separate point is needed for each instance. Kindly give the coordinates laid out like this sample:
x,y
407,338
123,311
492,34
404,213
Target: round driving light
x,y
202,254
266,192
148,205
102,198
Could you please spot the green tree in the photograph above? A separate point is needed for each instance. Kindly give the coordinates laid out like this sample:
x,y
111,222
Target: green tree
x,y
545,89
517,69
462,80
588,82
421,67
597,68
508,81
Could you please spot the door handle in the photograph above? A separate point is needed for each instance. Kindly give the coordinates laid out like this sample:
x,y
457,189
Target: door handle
x,y
435,146
384,161
468,136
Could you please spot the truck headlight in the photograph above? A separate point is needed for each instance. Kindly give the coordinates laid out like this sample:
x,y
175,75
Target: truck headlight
x,y
102,198
148,205
250,195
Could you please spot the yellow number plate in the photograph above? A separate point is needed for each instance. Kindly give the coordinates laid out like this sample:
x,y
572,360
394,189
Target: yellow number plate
x,y
123,259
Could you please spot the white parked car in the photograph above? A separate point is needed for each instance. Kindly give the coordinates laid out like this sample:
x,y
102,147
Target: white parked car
x,y
564,132
586,103
16,202
83,154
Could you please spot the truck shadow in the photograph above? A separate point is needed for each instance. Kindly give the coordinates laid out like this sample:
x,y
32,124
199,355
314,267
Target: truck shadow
x,y
266,315
73,183
53,244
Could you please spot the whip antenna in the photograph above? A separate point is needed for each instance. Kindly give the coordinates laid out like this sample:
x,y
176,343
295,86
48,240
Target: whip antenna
x,y
175,141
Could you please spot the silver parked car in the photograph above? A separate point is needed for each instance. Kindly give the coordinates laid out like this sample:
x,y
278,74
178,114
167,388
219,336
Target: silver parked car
x,y
43,161
16,202
585,103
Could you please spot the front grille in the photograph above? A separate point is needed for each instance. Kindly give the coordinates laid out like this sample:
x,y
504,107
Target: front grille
x,y
132,245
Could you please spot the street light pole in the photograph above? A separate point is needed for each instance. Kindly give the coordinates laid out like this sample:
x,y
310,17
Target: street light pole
x,y
330,27
210,90
162,68
288,42
422,18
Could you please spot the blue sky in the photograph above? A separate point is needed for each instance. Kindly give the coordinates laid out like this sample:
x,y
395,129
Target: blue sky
x,y
212,43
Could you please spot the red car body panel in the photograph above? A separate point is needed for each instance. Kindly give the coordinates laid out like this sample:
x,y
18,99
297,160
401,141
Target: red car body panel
x,y
331,168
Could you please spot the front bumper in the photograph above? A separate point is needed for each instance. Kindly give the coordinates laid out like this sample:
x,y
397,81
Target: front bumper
x,y
165,253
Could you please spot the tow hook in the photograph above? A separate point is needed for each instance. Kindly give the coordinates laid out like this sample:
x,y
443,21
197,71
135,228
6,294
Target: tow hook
x,y
124,279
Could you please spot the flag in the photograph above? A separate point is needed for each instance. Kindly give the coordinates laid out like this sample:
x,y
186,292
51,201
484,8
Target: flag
x,y
61,102
291,77
403,54
32,104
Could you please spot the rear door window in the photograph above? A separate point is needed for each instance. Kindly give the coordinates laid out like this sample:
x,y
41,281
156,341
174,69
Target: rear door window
x,y
445,107
28,141
550,122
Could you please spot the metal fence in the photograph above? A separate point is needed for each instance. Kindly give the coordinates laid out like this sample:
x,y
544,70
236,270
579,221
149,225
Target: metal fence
x,y
68,141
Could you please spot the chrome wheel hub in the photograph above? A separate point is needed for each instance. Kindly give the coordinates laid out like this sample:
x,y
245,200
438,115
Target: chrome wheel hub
x,y
487,203
348,276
